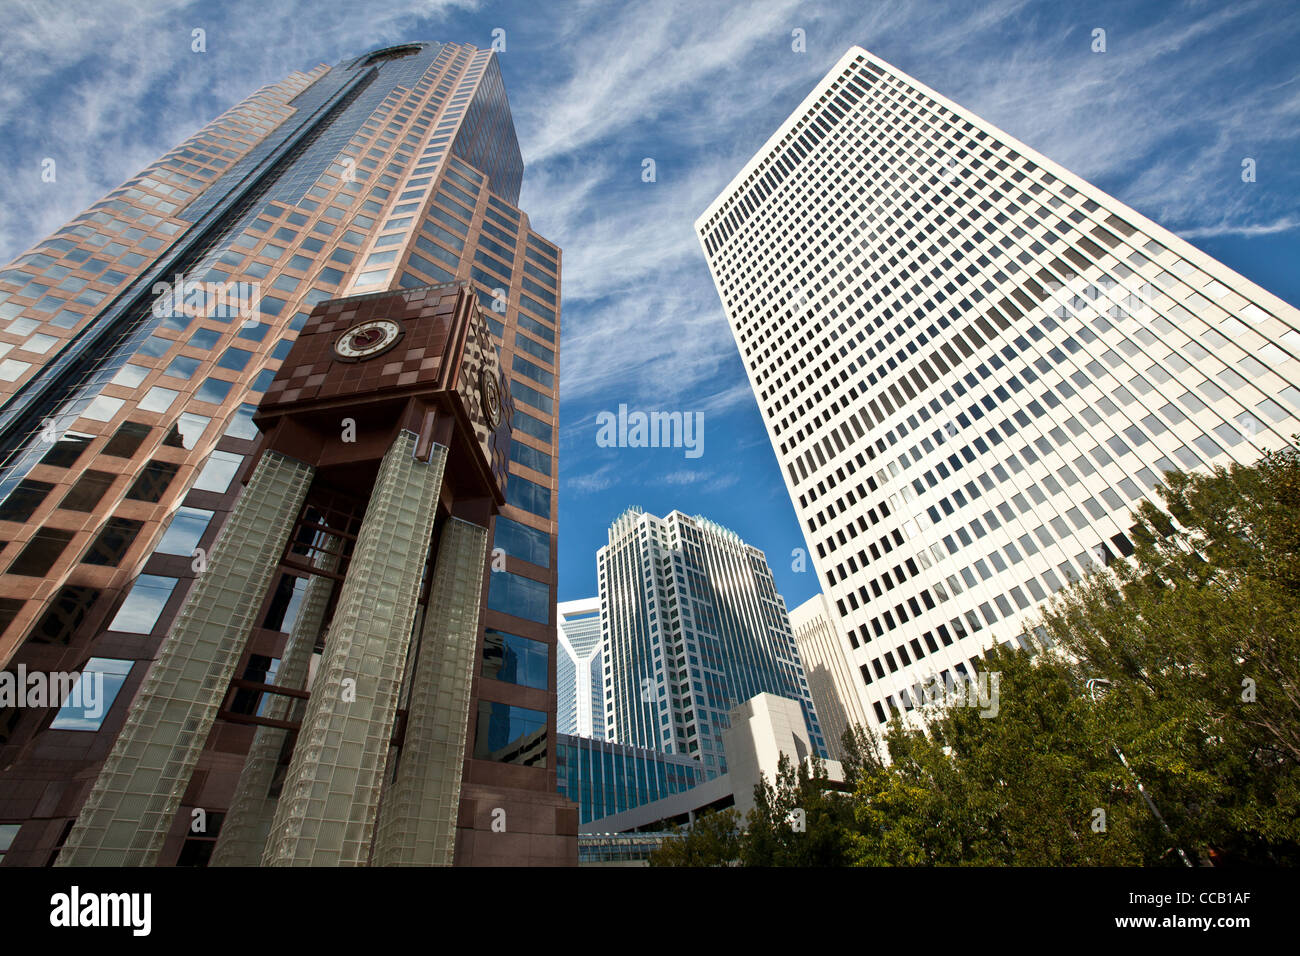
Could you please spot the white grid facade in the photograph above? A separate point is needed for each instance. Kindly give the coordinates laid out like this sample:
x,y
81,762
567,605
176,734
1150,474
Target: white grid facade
x,y
972,364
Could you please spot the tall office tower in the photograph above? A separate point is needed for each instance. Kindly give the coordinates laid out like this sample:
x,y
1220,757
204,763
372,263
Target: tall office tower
x,y
579,674
691,626
139,341
815,626
972,364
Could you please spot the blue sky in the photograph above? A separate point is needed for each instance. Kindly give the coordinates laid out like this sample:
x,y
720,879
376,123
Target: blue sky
x,y
1161,120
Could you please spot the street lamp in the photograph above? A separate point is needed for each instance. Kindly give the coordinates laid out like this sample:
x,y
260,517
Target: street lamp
x,y
1093,684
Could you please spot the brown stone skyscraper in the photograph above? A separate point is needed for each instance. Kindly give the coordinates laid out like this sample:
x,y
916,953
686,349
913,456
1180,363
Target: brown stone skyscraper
x,y
140,478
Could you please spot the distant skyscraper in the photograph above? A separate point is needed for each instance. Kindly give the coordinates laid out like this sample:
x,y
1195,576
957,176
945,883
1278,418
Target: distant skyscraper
x,y
972,364
127,430
825,655
692,626
579,675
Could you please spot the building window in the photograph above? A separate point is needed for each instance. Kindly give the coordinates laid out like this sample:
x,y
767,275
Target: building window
x,y
153,481
522,542
67,450
126,440
24,500
8,831
142,607
528,495
509,734
185,531
114,541
514,659
87,492
198,846
92,695
64,615
218,471
519,596
41,552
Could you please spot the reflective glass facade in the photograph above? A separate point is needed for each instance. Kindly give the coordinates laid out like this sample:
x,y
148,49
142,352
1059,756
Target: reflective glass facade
x,y
691,627
125,429
604,778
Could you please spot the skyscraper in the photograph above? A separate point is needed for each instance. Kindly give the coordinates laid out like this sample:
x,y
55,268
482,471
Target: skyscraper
x,y
972,364
826,664
692,626
138,343
579,674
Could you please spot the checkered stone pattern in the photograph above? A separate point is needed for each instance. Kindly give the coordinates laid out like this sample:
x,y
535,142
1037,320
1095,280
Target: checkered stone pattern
x,y
312,371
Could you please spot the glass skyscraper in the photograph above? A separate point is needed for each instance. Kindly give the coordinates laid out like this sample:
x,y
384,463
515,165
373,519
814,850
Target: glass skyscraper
x,y
972,364
692,626
135,346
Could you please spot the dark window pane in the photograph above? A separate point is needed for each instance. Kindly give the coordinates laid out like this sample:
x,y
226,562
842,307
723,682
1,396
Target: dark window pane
x,y
9,608
66,450
64,615
113,542
153,481
24,500
126,440
88,490
41,552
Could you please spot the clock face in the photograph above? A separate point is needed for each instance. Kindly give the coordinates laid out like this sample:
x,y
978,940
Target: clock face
x,y
367,339
491,393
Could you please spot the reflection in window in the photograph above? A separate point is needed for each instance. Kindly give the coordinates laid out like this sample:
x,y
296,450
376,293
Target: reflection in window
x,y
113,542
512,594
515,659
218,472
64,615
152,481
187,431
185,531
520,541
282,613
92,695
509,734
528,495
8,831
241,425
139,612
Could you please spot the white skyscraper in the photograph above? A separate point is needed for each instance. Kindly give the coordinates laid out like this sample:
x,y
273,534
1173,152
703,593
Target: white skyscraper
x,y
579,679
832,680
972,364
692,626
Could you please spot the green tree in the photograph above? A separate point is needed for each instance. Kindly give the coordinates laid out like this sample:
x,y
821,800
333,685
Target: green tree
x,y
1033,784
800,819
1198,641
714,839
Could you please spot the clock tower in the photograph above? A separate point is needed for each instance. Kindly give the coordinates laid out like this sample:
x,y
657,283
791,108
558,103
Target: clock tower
x,y
384,451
